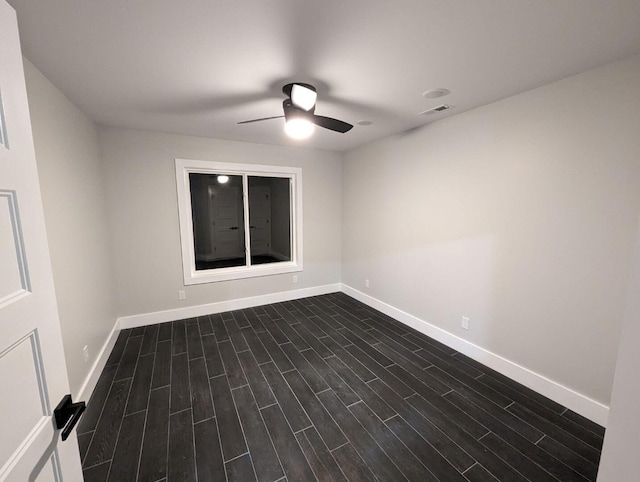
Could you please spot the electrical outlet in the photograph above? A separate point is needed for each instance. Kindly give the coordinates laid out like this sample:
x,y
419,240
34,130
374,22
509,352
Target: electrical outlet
x,y
295,278
182,295
465,323
366,283
85,353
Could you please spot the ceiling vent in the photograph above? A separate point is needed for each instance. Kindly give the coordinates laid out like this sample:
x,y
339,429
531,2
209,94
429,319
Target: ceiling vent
x,y
435,110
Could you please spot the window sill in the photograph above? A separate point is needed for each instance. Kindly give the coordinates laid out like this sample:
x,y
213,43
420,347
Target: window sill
x,y
240,272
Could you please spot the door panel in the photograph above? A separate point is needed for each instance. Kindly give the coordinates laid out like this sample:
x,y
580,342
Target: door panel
x,y
259,220
21,374
227,223
14,279
33,372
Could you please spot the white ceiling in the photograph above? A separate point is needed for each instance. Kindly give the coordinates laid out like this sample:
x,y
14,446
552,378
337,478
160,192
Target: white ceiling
x,y
199,66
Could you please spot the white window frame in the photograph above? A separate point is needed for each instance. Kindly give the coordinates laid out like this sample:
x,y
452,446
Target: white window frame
x,y
184,167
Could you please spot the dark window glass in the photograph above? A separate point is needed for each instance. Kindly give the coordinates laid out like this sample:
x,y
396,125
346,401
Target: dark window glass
x,y
269,219
218,220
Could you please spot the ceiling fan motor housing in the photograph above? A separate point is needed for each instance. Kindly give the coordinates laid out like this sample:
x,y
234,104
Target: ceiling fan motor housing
x,y
291,111
286,90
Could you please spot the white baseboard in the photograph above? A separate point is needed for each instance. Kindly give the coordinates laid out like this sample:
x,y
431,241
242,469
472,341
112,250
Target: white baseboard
x,y
571,399
221,306
96,369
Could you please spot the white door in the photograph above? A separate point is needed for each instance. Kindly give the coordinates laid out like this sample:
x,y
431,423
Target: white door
x,y
33,375
227,227
260,220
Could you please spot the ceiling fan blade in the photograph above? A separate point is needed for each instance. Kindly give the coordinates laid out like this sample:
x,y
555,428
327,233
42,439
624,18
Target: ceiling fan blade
x,y
331,124
261,119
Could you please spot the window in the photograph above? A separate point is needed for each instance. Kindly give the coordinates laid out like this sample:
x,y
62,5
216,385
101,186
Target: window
x,y
238,220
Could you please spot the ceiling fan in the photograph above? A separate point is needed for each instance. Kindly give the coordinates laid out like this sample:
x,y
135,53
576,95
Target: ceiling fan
x,y
299,114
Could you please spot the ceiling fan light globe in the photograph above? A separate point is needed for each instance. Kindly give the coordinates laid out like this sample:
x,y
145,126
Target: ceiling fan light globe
x,y
298,128
303,97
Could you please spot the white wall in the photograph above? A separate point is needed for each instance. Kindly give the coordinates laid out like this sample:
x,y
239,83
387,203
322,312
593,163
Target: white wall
x,y
68,159
145,239
620,461
520,215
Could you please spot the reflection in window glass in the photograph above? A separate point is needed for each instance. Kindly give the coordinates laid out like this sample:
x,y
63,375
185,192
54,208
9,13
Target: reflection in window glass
x,y
218,220
269,219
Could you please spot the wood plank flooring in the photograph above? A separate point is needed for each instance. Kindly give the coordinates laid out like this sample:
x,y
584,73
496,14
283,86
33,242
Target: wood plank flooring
x,y
322,388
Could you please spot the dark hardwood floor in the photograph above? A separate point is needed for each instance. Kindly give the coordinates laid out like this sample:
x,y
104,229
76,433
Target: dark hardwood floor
x,y
321,388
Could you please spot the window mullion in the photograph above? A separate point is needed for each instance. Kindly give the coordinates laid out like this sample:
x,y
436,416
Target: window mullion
x,y
247,230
